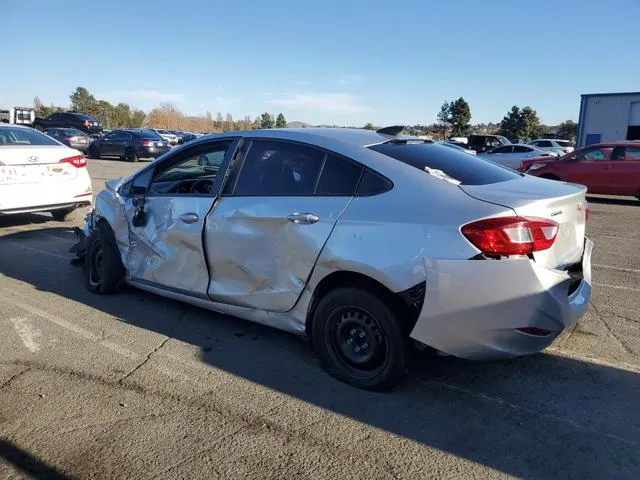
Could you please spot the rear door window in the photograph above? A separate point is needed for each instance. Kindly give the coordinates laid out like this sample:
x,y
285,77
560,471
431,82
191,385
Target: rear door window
x,y
465,168
24,136
276,168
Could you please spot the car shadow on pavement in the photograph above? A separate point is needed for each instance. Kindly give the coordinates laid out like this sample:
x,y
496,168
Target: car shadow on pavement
x,y
27,463
625,201
24,219
543,416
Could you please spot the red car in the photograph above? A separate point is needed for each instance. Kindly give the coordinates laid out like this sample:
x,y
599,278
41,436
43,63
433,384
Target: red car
x,y
606,168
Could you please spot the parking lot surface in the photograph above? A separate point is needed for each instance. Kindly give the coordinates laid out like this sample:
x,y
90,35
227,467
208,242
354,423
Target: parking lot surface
x,y
137,386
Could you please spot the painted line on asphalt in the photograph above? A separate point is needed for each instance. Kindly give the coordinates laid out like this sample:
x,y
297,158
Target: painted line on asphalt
x,y
32,249
621,269
27,333
616,287
67,325
525,410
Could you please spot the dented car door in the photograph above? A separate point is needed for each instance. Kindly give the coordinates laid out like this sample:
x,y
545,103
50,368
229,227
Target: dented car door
x,y
265,232
166,218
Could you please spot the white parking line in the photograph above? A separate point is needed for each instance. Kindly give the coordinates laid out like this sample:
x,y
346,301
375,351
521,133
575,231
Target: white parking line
x,y
72,327
621,269
37,250
27,333
616,287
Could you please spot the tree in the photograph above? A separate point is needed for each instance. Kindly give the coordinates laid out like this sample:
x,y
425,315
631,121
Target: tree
x,y
568,130
83,101
266,120
228,124
460,118
511,124
369,126
444,117
280,121
521,123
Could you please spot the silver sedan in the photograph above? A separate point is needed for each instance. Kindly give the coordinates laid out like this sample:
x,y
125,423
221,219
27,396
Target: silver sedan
x,y
512,155
367,242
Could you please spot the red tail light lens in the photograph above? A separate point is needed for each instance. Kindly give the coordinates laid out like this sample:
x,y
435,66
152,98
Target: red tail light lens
x,y
511,235
146,143
77,161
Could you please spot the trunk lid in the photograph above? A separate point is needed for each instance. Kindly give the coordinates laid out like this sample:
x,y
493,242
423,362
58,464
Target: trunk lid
x,y
36,164
530,196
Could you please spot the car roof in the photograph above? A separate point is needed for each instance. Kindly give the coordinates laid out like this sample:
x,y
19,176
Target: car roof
x,y
617,143
13,125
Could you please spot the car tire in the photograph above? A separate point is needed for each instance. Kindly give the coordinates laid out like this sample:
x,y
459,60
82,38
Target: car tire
x,y
93,153
359,340
104,272
130,155
66,214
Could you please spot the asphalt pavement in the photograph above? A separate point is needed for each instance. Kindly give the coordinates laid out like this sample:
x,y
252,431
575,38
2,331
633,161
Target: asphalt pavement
x,y
137,386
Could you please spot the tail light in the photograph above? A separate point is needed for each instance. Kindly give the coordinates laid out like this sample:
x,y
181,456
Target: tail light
x,y
87,123
77,161
146,143
511,235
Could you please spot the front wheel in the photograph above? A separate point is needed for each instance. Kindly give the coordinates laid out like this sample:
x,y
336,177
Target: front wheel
x,y
93,153
104,272
358,339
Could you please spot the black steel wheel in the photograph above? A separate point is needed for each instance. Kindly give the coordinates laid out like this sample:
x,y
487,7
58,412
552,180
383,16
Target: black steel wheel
x,y
104,272
359,339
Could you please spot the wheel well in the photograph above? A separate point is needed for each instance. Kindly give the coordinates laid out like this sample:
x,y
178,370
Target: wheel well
x,y
406,304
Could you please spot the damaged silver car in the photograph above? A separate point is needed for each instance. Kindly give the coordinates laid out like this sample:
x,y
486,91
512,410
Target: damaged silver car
x,y
370,243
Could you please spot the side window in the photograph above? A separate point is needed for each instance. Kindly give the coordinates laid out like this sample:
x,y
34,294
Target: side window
x,y
276,168
521,149
545,144
191,174
339,177
594,155
373,183
632,153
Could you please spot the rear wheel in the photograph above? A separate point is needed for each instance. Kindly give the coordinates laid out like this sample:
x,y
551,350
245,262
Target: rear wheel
x,y
358,339
66,214
104,272
130,155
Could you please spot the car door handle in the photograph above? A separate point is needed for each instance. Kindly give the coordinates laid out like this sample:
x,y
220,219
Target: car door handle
x,y
303,218
189,218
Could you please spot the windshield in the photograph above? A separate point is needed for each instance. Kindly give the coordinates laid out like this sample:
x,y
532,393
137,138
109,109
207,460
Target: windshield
x,y
563,143
23,136
462,167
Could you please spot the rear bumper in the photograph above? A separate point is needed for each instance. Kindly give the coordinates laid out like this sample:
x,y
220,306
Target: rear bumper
x,y
152,152
473,308
83,147
47,208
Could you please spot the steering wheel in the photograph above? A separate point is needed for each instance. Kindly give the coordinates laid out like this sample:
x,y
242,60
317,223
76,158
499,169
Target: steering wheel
x,y
201,186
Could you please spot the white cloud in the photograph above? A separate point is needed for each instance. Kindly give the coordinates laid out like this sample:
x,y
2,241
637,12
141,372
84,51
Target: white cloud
x,y
350,79
337,103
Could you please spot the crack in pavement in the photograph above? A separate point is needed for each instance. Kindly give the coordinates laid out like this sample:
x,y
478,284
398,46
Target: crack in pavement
x,y
157,347
13,377
610,330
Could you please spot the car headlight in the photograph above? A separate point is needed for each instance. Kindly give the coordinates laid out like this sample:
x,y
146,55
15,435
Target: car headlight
x,y
536,166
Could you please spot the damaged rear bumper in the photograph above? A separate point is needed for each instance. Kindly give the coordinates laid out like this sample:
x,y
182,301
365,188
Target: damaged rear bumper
x,y
474,309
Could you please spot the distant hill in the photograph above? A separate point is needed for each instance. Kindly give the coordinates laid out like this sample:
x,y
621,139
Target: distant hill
x,y
298,125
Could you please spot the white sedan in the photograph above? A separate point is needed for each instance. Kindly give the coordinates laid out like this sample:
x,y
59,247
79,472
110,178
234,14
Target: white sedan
x,y
40,174
512,155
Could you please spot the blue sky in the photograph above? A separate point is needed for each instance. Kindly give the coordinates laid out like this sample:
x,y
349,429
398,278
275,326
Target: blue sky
x,y
332,61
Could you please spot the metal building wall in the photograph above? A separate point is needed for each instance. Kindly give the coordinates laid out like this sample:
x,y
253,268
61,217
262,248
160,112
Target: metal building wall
x,y
606,115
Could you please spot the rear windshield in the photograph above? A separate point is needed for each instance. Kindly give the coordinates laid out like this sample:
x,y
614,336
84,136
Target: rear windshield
x,y
563,143
463,167
150,134
72,131
24,136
